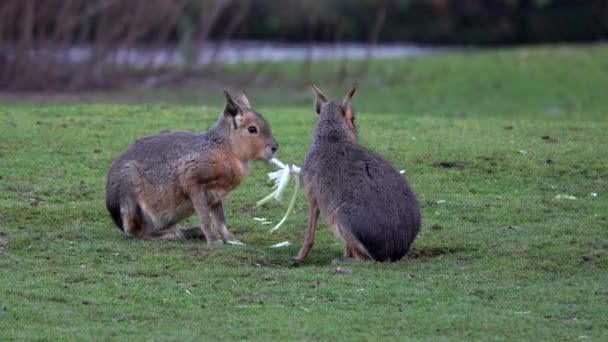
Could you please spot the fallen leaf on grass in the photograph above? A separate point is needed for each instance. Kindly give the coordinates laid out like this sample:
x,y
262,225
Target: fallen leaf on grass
x,y
566,197
342,270
554,111
239,243
3,242
281,244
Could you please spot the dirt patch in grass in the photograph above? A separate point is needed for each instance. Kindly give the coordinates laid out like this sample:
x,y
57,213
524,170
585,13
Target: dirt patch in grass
x,y
4,241
450,165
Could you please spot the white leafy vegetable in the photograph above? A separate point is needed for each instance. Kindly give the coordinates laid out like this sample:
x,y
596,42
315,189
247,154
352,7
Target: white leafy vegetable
x,y
281,180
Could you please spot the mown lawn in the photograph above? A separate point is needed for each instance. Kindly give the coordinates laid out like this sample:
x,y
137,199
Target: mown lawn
x,y
491,141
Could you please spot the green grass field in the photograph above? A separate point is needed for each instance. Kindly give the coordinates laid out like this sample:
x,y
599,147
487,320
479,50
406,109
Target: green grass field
x,y
488,140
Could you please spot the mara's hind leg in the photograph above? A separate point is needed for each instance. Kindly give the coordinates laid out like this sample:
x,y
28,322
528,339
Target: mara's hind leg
x,y
354,250
172,234
132,220
192,233
348,253
348,256
135,225
360,253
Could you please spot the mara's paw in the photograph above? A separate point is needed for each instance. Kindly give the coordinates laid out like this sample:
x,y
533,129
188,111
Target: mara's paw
x,y
179,235
193,233
215,242
171,235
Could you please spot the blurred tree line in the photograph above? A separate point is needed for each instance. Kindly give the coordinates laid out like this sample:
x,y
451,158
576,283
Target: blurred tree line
x,y
35,34
477,22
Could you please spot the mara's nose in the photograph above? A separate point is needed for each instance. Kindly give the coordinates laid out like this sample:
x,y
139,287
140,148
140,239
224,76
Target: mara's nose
x,y
275,147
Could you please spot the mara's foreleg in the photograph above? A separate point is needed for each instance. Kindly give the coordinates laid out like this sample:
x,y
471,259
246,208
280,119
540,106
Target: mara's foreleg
x,y
309,237
199,202
220,221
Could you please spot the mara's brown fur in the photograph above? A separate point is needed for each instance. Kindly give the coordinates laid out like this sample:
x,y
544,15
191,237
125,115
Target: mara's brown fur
x,y
164,178
365,201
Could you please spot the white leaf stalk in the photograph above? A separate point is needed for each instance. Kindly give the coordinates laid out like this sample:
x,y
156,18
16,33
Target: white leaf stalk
x,y
281,244
281,180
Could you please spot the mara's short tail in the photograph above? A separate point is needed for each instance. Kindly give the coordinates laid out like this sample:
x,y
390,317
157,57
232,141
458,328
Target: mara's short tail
x,y
354,248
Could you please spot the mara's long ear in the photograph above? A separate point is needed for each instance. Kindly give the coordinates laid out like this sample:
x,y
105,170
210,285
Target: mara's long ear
x,y
244,101
349,96
320,98
232,108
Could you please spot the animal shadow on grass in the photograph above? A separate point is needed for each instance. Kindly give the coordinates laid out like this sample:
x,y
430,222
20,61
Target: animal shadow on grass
x,y
450,165
329,257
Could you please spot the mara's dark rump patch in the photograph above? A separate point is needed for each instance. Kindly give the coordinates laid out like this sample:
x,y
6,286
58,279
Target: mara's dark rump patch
x,y
386,235
114,209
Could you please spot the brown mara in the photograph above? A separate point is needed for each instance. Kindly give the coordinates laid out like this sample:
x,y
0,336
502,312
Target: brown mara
x,y
161,179
366,202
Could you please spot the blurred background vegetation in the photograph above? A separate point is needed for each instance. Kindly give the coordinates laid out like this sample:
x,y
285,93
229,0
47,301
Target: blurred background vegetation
x,y
82,44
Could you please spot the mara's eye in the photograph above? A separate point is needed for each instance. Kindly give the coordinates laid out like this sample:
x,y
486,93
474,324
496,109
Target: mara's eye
x,y
352,120
252,129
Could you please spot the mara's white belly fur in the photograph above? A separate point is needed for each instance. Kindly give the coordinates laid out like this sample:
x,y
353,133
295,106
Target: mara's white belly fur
x,y
168,218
